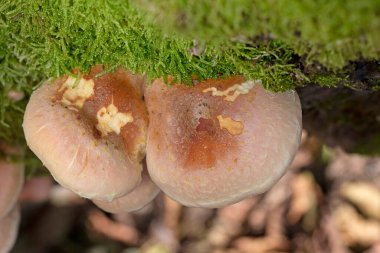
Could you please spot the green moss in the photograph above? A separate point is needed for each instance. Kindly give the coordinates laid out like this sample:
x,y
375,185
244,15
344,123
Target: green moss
x,y
54,37
330,32
330,79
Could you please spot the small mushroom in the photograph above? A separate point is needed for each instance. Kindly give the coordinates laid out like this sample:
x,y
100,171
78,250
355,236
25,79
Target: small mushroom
x,y
220,141
90,131
142,195
8,230
11,181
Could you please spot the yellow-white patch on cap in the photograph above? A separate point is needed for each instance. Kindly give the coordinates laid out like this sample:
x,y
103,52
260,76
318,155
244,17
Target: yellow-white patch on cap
x,y
232,126
236,90
111,120
76,92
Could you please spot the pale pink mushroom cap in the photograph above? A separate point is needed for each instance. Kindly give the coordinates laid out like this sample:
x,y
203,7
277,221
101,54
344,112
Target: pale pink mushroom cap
x,y
8,230
221,141
142,195
68,143
11,181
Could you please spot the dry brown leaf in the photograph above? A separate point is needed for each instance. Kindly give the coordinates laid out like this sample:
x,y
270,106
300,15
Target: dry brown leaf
x,y
304,196
308,151
274,199
225,251
332,234
101,224
164,230
275,224
172,214
261,244
258,217
194,221
155,248
354,229
364,195
346,166
161,234
229,222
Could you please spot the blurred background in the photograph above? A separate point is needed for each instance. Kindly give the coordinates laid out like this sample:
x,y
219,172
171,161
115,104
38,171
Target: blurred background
x,y
329,51
328,201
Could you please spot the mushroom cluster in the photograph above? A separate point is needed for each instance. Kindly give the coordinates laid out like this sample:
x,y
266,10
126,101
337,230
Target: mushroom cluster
x,y
111,138
11,181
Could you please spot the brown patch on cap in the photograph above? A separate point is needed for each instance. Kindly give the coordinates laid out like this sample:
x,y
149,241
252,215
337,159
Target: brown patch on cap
x,y
119,90
191,115
206,125
201,152
205,145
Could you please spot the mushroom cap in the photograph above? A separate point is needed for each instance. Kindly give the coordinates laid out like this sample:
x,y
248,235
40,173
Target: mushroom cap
x,y
11,181
90,135
8,230
223,139
142,195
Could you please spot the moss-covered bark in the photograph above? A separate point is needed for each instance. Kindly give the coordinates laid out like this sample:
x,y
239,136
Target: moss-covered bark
x,y
329,32
343,117
286,44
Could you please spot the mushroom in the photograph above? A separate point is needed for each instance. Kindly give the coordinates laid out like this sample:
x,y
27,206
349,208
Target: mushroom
x,y
8,230
90,131
11,180
142,195
220,141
